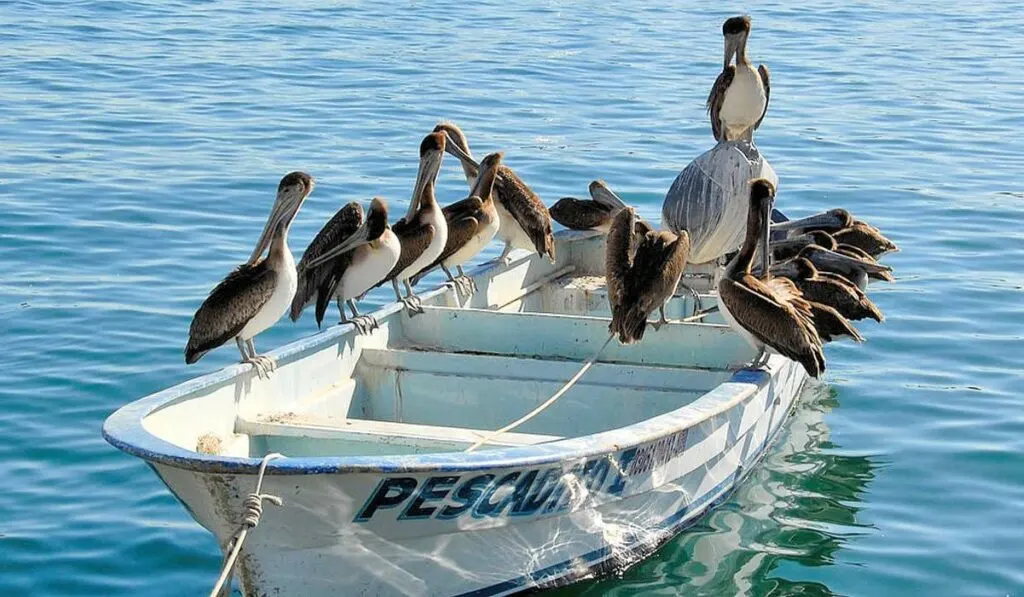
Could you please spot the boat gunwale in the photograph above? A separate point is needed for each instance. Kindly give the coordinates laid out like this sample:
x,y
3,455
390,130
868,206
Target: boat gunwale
x,y
124,428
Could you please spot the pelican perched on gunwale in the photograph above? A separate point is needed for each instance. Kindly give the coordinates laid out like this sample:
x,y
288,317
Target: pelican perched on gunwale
x,y
643,280
739,98
254,296
524,219
828,288
347,257
857,271
423,232
593,214
768,313
472,224
789,247
845,229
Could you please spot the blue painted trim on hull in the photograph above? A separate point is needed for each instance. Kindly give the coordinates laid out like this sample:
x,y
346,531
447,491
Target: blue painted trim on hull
x,y
665,531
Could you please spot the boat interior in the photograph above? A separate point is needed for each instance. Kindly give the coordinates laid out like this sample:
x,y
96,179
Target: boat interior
x,y
441,380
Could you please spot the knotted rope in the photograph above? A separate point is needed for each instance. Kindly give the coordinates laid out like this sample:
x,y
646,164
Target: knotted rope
x,y
253,509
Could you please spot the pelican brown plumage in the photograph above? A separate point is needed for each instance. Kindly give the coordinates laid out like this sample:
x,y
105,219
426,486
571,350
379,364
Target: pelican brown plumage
x,y
339,228
739,98
857,271
254,296
768,313
789,247
423,232
829,323
829,289
472,224
643,280
845,228
349,256
525,222
593,214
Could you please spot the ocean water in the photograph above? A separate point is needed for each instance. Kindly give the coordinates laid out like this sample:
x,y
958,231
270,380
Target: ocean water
x,y
142,143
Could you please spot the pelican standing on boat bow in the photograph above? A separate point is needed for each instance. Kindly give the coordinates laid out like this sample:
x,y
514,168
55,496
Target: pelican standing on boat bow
x,y
254,296
423,232
768,313
739,98
472,224
349,256
524,219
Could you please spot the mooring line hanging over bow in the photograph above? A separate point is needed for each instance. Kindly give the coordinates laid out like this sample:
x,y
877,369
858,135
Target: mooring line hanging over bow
x,y
253,505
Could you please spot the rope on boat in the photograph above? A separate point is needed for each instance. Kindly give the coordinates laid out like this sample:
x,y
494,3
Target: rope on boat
x,y
561,392
253,506
699,315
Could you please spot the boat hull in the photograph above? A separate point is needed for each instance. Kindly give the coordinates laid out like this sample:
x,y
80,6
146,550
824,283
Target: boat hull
x,y
467,529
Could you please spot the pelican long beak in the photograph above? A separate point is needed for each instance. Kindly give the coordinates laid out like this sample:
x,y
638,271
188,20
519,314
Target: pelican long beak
x,y
824,220
732,43
827,257
360,237
452,146
430,165
766,256
285,207
600,193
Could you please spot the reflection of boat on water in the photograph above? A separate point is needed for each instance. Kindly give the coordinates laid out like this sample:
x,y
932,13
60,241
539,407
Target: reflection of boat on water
x,y
800,506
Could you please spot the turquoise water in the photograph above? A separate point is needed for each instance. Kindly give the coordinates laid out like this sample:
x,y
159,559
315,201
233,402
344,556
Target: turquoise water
x,y
142,143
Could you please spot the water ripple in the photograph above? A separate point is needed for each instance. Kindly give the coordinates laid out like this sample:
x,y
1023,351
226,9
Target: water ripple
x,y
143,141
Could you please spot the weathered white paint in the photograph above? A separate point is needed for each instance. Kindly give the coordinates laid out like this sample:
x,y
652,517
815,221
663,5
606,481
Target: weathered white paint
x,y
356,413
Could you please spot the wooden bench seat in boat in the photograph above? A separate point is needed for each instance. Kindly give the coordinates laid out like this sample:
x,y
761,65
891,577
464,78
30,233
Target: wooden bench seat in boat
x,y
319,427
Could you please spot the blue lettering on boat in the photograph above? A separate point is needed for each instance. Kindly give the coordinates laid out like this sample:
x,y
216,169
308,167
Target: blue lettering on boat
x,y
520,493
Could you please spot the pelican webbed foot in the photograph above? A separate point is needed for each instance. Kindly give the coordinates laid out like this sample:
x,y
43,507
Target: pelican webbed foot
x,y
466,285
470,282
262,364
364,324
760,360
504,258
661,319
413,305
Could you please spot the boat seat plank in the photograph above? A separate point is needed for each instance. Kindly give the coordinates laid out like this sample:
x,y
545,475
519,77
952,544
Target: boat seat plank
x,y
588,295
301,425
545,335
511,367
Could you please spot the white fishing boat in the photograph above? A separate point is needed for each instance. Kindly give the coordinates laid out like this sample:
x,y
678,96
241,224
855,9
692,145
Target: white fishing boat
x,y
380,496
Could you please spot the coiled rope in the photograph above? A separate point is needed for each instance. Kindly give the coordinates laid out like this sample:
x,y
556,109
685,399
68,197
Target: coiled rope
x,y
253,509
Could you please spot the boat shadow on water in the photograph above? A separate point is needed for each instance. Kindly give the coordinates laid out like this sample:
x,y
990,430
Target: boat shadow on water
x,y
795,511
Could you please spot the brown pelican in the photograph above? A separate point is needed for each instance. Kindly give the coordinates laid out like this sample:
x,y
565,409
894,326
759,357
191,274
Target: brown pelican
x,y
640,282
595,214
423,232
348,257
857,271
524,220
828,289
829,323
739,97
768,313
254,296
472,224
845,228
790,247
